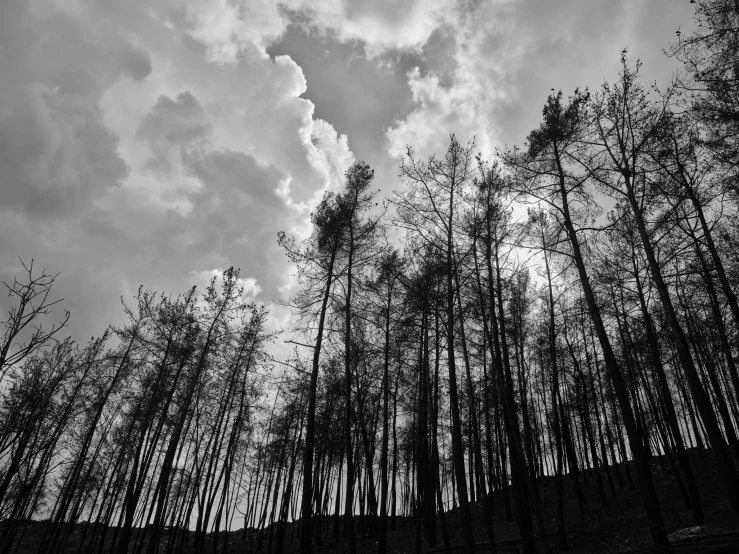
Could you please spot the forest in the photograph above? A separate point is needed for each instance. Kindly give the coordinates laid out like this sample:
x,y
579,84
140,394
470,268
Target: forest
x,y
504,345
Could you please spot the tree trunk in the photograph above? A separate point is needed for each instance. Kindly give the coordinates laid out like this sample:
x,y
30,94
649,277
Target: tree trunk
x,y
306,545
649,493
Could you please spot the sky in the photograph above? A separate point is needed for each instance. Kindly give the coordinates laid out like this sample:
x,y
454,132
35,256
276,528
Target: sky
x,y
156,143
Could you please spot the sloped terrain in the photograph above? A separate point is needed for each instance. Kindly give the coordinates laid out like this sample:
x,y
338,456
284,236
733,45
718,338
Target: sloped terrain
x,y
619,527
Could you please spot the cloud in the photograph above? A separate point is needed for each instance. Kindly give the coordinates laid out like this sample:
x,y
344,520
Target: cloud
x,y
460,109
509,54
133,150
231,29
382,25
328,153
172,125
148,141
56,151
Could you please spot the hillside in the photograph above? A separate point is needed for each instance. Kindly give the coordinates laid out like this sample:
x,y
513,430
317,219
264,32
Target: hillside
x,y
620,527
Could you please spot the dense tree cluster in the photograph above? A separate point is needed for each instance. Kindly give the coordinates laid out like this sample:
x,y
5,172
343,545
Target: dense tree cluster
x,y
150,424
559,311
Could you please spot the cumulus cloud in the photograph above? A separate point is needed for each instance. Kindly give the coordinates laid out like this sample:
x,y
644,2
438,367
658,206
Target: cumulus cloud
x,y
56,152
508,55
143,141
382,25
244,28
171,127
136,150
328,152
440,110
230,29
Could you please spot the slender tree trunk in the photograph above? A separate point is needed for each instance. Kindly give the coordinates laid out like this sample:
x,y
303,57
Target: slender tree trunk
x,y
649,493
306,545
382,539
475,447
457,448
559,469
723,458
682,456
349,501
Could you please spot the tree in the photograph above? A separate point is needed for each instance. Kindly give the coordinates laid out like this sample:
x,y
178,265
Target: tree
x,y
550,171
315,259
625,124
24,334
322,260
546,238
711,79
429,206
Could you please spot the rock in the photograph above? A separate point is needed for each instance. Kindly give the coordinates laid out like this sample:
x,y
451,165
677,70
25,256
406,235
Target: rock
x,y
682,534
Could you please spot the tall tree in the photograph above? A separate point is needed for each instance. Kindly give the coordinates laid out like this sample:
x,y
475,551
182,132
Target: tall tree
x,y
550,171
315,259
429,206
626,123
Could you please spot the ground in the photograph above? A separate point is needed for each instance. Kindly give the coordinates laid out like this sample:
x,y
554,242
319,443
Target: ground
x,y
620,527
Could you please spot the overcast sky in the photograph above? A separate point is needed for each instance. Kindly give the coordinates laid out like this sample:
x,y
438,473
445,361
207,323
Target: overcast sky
x,y
155,142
